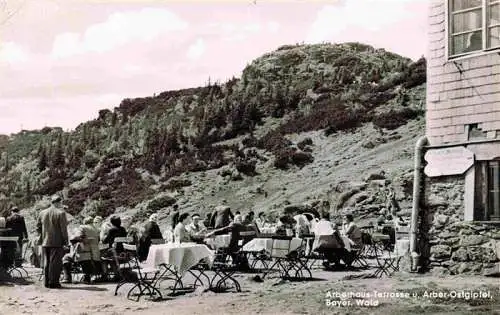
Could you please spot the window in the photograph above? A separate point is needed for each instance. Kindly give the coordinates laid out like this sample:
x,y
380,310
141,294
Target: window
x,y
487,194
474,25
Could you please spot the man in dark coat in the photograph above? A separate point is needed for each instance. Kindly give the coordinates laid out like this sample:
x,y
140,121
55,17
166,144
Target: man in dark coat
x,y
151,231
16,223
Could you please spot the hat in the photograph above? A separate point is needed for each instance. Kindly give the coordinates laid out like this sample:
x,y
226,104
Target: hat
x,y
55,198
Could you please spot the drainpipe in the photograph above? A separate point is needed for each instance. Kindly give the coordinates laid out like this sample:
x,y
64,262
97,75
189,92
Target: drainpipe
x,y
417,188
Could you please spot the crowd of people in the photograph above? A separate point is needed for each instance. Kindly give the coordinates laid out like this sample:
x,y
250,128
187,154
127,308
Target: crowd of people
x,y
93,246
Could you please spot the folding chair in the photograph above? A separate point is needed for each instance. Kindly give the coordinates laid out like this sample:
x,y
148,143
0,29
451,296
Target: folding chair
x,y
287,261
388,263
360,251
15,268
312,256
137,275
358,259
325,244
224,271
123,257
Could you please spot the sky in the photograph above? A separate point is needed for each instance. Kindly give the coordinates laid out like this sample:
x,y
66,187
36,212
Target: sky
x,y
61,61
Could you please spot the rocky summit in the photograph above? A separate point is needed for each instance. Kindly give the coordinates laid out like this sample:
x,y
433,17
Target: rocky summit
x,y
304,123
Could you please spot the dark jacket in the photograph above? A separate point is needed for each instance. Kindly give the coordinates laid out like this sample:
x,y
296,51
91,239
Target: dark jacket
x,y
16,223
224,218
114,232
151,231
234,230
7,250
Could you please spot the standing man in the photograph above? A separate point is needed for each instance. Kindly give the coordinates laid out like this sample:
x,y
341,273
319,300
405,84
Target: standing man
x,y
53,227
16,223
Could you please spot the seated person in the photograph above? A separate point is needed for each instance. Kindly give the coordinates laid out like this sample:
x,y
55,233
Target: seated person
x,y
196,229
284,223
324,226
332,247
115,231
7,248
351,230
249,222
207,221
234,229
85,251
261,220
181,234
151,231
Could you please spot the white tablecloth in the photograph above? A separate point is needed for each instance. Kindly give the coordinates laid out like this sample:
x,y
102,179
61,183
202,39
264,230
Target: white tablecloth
x,y
219,241
378,237
266,244
182,256
267,230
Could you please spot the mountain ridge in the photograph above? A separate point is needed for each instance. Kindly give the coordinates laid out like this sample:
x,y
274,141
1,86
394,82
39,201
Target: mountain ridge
x,y
138,153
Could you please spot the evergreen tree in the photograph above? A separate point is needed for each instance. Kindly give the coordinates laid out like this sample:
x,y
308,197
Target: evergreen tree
x,y
28,193
42,159
114,119
6,165
57,158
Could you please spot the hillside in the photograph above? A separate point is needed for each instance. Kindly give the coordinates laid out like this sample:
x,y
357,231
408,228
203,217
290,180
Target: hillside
x,y
299,125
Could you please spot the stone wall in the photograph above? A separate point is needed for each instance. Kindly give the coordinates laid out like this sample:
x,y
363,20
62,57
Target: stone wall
x,y
454,246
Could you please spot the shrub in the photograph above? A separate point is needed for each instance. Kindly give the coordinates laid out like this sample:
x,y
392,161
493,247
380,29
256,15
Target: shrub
x,y
273,141
304,143
175,183
396,118
52,186
90,159
246,167
161,202
249,142
300,158
325,115
282,160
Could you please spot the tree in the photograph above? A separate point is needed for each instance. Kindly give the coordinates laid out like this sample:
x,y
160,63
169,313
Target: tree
x,y
114,119
6,165
42,159
57,158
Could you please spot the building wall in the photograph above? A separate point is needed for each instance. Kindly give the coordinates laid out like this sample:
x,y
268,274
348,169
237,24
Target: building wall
x,y
456,99
449,244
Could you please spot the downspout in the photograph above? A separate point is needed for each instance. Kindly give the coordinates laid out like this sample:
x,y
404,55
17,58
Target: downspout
x,y
417,189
